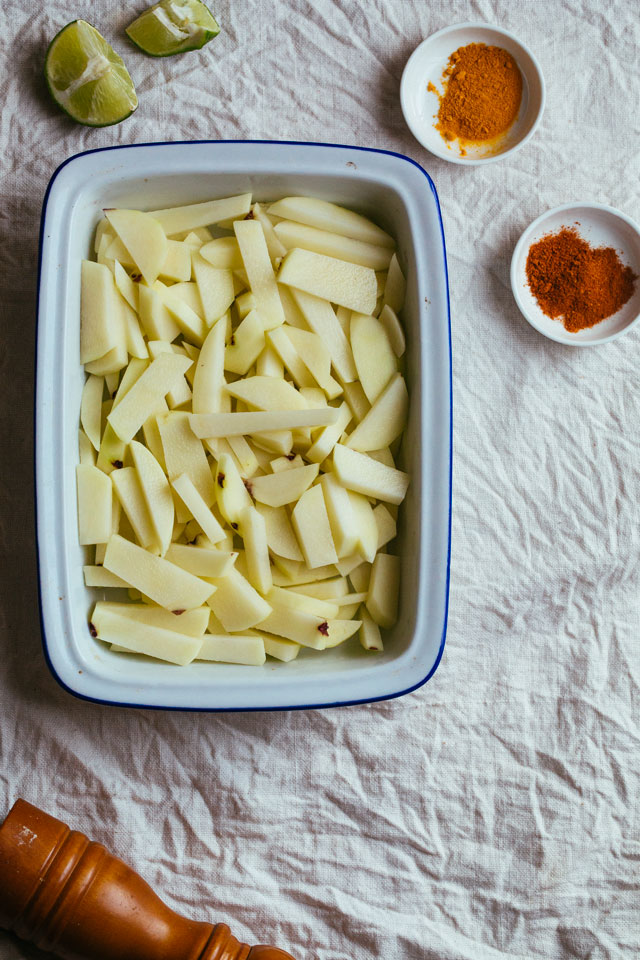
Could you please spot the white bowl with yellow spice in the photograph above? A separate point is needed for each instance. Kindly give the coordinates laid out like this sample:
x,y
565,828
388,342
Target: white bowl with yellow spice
x,y
472,93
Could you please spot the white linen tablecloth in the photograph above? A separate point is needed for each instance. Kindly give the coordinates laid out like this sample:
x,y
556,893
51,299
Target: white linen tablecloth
x,y
494,813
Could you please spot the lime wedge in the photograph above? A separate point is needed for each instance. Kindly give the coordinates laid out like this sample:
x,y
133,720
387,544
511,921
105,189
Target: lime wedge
x,y
87,78
173,26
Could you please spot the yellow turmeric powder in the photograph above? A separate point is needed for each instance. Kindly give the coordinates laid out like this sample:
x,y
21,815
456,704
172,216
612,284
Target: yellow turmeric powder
x,y
483,90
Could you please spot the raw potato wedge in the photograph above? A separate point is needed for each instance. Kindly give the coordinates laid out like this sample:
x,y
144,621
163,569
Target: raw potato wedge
x,y
163,582
347,284
180,219
331,217
143,238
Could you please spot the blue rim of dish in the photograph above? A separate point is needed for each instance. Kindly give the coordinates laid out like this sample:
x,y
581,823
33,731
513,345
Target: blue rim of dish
x,y
310,706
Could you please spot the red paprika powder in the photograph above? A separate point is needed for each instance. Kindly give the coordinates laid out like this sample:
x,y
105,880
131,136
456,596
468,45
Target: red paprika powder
x,y
575,282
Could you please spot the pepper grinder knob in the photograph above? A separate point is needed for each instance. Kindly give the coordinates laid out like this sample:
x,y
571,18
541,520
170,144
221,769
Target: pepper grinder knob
x,y
72,897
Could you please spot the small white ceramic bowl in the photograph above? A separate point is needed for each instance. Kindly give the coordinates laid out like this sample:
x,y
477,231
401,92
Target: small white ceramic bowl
x,y
420,107
601,226
398,194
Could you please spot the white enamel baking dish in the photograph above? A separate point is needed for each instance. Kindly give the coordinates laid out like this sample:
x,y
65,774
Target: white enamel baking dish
x,y
399,195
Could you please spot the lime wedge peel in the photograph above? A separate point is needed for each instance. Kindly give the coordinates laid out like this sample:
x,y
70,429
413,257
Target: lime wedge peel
x,y
87,78
173,26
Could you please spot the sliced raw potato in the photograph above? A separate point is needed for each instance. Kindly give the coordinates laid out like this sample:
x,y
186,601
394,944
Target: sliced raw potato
x,y
395,288
91,409
97,576
215,286
383,455
212,425
187,292
291,235
143,398
180,396
280,536
191,623
201,561
157,322
375,360
316,358
236,604
245,345
163,582
184,453
341,630
274,245
246,459
193,327
129,492
144,239
230,490
386,525
221,648
330,217
290,573
100,323
94,504
181,219
134,340
327,439
280,342
128,288
365,522
102,229
360,577
267,393
280,649
156,492
385,420
382,595
112,362
139,637
370,637
197,507
287,486
134,371
253,530
362,474
321,319
286,463
312,527
86,452
112,451
303,628
356,398
331,590
208,381
257,263
223,253
177,264
342,519
245,303
347,284
389,320
281,597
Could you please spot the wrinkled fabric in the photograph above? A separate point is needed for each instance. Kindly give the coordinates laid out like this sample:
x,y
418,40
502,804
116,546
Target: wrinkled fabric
x,y
493,814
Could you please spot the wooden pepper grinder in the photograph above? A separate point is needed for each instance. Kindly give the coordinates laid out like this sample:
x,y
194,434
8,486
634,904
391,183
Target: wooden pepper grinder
x,y
72,897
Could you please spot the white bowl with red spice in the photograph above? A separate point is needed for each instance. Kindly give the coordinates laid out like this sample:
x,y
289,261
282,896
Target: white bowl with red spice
x,y
580,259
424,84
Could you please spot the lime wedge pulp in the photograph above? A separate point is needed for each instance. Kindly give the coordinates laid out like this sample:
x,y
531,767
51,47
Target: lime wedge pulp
x,y
87,78
173,26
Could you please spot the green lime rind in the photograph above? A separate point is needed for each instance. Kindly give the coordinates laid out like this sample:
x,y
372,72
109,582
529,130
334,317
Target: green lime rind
x,y
87,78
173,26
